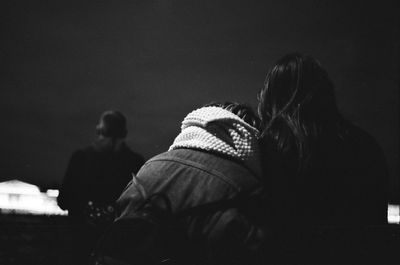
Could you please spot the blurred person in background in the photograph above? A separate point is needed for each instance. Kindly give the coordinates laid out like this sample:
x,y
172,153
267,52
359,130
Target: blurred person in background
x,y
96,176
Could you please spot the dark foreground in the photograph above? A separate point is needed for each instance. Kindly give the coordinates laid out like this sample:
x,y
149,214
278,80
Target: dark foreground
x,y
26,239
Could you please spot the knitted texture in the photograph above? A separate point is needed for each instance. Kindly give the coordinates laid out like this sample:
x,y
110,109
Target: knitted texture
x,y
218,130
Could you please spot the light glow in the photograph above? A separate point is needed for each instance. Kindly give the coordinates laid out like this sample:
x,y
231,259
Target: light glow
x,y
24,198
393,214
52,193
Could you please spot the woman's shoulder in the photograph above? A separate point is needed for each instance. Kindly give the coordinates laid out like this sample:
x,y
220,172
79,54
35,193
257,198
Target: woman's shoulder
x,y
355,135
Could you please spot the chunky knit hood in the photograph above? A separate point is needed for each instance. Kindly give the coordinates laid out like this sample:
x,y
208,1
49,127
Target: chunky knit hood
x,y
218,130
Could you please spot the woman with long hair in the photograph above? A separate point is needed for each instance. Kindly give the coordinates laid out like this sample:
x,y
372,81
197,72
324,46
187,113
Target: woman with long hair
x,y
321,168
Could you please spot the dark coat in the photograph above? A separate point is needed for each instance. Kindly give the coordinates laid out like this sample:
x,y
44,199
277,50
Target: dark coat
x,y
344,182
97,176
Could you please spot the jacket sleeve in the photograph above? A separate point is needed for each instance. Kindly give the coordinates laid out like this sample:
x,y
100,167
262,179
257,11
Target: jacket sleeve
x,y
235,239
130,198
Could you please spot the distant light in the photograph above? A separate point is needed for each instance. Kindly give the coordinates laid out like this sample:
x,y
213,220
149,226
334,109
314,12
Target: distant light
x,y
18,187
52,193
393,214
20,197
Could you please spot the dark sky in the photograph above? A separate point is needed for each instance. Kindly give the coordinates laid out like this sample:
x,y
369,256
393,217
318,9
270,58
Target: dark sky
x,y
63,64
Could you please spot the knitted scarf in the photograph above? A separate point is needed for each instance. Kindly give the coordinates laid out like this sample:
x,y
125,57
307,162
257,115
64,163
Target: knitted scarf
x,y
218,130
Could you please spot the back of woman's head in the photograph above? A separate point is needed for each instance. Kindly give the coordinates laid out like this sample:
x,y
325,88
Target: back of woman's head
x,y
296,104
243,111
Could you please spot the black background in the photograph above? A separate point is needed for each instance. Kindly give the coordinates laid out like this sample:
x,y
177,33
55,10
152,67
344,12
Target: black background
x,y
64,63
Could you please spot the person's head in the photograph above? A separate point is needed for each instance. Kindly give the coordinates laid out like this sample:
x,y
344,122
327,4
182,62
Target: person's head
x,y
296,103
229,129
243,111
112,124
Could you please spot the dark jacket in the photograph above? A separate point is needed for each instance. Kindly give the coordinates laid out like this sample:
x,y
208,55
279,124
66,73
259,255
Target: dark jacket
x,y
344,182
191,178
97,176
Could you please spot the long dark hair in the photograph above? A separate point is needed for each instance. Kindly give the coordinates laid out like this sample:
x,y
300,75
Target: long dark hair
x,y
296,105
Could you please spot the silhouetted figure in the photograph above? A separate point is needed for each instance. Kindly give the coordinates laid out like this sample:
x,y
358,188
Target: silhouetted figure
x,y
320,168
96,176
214,158
325,178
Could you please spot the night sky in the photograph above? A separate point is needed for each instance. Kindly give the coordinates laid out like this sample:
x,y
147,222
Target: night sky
x,y
63,64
